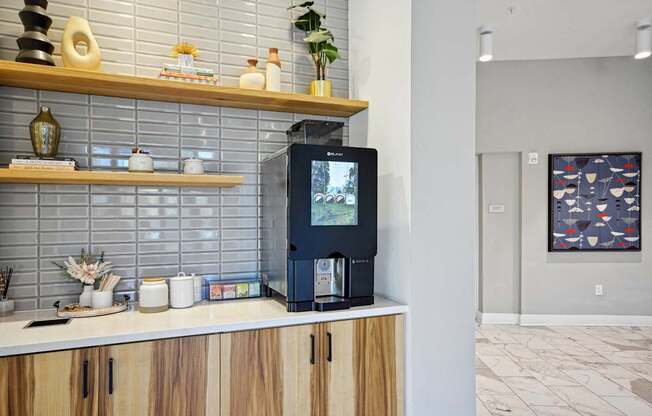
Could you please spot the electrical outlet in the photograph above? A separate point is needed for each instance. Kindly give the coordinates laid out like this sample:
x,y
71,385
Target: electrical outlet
x,y
598,290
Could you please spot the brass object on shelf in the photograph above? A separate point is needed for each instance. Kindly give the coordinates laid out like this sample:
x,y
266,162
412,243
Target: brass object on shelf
x,y
45,132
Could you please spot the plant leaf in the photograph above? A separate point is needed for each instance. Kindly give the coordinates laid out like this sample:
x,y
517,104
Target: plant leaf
x,y
308,22
304,4
318,36
331,52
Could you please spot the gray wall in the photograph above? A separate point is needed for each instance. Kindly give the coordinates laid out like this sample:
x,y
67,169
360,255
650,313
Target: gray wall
x,y
442,206
150,231
583,105
501,233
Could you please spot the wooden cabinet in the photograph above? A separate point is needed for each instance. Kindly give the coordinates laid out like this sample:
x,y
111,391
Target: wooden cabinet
x,y
364,372
54,384
344,368
171,377
270,372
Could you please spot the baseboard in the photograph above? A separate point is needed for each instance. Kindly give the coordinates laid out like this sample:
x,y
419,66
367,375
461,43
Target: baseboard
x,y
499,318
585,320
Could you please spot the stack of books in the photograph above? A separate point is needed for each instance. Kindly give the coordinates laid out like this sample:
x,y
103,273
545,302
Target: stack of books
x,y
37,163
188,74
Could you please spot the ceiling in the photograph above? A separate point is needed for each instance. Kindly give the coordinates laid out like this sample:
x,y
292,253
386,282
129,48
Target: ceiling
x,y
558,29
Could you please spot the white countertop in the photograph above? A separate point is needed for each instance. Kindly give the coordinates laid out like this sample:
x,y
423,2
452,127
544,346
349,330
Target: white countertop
x,y
131,326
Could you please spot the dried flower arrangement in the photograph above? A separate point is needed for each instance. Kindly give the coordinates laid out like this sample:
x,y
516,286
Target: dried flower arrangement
x,y
184,48
88,270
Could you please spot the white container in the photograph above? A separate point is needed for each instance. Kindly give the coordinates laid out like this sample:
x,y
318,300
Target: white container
x,y
86,297
153,295
182,291
185,59
252,79
193,166
273,71
141,162
198,285
102,299
6,307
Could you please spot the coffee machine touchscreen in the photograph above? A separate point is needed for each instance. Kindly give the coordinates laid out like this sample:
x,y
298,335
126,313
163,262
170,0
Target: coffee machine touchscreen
x,y
334,193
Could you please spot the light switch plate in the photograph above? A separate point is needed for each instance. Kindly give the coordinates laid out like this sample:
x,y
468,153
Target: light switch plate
x,y
533,158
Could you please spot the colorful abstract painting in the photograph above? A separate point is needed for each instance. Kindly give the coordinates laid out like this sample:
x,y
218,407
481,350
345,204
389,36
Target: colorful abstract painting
x,y
595,202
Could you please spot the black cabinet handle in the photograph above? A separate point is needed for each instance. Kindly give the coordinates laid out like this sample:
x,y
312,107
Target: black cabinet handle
x,y
330,346
312,349
110,375
85,379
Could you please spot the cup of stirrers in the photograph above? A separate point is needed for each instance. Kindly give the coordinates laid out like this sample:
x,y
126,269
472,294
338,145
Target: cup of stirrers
x,y
5,279
6,305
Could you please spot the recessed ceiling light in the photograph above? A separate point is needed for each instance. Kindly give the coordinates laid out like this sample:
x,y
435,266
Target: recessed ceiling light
x,y
486,44
643,39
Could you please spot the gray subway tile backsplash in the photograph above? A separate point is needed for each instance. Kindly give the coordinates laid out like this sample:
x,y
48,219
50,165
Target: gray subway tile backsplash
x,y
151,231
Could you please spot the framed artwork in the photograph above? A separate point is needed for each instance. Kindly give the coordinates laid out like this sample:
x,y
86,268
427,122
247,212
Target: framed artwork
x,y
594,202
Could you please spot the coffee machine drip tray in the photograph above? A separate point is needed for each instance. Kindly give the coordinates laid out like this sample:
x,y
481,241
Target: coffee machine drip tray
x,y
331,303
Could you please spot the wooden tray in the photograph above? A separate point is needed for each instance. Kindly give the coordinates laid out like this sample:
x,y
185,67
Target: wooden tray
x,y
88,312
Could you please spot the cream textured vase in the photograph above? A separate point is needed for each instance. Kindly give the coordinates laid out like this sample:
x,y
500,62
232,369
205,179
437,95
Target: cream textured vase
x,y
78,30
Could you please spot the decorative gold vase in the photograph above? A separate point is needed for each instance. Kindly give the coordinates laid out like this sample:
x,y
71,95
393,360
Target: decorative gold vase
x,y
45,132
321,88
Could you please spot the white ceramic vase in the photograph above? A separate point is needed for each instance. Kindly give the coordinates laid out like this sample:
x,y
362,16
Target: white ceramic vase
x,y
185,59
86,297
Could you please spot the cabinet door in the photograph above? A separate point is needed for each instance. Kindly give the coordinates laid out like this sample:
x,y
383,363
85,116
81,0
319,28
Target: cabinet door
x,y
54,384
365,364
271,372
170,377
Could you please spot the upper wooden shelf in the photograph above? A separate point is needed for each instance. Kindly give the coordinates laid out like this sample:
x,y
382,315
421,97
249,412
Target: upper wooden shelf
x,y
85,177
42,77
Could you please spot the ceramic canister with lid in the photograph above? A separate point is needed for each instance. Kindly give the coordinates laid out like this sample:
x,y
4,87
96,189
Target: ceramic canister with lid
x,y
182,291
153,295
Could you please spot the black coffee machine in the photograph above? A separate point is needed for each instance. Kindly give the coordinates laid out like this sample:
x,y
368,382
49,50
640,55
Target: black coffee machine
x,y
319,228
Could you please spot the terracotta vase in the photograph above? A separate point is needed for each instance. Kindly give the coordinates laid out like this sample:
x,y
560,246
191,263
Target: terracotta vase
x,y
45,133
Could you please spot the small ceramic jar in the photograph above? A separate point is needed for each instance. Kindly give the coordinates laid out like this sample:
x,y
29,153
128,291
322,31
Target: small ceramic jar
x,y
140,161
252,79
153,295
100,300
182,291
193,166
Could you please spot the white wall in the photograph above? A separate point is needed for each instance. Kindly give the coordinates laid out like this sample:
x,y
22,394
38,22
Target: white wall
x,y
579,105
415,62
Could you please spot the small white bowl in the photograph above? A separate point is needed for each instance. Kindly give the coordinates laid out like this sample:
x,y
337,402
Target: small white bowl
x,y
193,166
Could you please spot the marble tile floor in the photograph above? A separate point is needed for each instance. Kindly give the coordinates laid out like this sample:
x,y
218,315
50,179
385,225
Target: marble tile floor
x,y
563,371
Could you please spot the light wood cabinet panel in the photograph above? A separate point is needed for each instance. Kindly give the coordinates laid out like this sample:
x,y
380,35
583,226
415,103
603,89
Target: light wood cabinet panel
x,y
50,384
269,372
171,377
365,373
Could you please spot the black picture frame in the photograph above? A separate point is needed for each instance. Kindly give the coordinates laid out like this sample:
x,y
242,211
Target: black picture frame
x,y
553,203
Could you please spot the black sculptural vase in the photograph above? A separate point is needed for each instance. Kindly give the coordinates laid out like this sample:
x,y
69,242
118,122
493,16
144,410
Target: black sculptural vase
x,y
35,47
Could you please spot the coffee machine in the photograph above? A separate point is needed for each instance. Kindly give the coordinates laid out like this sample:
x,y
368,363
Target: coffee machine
x,y
319,226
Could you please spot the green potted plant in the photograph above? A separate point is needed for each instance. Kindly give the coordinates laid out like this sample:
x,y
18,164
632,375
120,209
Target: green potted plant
x,y
320,44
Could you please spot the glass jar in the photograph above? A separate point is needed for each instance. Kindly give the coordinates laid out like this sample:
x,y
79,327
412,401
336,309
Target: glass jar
x,y
153,295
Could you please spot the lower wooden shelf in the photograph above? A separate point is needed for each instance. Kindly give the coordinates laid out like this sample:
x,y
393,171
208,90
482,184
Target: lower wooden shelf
x,y
84,177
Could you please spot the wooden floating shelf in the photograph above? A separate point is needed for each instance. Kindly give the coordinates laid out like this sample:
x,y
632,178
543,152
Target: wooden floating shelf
x,y
50,78
85,177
